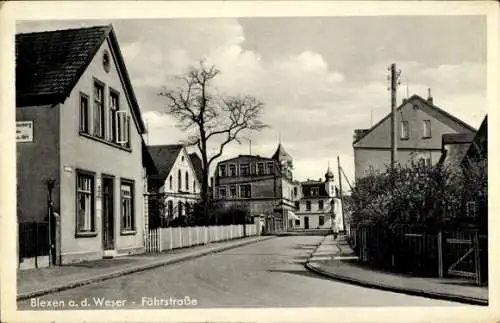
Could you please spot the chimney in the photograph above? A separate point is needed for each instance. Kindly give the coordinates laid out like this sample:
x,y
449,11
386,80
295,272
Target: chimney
x,y
429,96
358,133
405,100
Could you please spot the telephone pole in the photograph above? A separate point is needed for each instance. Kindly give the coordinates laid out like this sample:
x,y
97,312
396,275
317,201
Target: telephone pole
x,y
394,79
341,195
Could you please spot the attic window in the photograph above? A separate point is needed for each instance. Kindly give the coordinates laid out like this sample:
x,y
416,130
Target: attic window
x,y
105,61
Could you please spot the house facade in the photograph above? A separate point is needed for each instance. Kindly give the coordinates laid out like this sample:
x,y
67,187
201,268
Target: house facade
x,y
176,183
318,205
263,185
420,126
73,88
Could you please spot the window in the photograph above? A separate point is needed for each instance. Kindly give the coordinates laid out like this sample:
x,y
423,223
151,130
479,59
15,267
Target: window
x,y
471,209
127,206
170,184
179,180
405,130
222,192
187,181
321,220
245,191
84,113
232,170
308,205
113,108
320,204
260,168
170,206
123,128
188,208
297,205
194,186
244,170
179,208
314,191
297,222
85,203
295,191
232,191
427,128
270,168
222,170
98,110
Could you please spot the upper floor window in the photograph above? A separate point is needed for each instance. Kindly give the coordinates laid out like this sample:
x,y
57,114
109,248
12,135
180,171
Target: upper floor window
x,y
84,114
260,168
295,191
321,204
245,191
314,191
297,205
179,180
187,181
270,168
427,128
170,184
244,170
222,170
194,186
405,130
114,106
308,205
98,110
232,170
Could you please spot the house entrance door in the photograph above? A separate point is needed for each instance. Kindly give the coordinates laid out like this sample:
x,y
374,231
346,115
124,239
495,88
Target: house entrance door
x,y
107,214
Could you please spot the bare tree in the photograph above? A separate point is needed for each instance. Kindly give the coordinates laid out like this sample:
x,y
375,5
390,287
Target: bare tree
x,y
210,117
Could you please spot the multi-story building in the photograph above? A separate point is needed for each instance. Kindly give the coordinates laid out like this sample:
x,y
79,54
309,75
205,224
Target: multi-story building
x,y
263,185
419,131
317,204
176,182
79,148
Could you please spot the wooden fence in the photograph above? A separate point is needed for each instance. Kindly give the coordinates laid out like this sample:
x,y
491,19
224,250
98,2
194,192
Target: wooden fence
x,y
162,239
423,251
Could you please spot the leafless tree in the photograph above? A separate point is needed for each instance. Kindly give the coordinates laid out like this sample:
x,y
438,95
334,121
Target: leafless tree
x,y
208,116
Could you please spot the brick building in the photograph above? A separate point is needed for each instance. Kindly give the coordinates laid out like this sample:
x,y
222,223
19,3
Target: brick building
x,y
263,185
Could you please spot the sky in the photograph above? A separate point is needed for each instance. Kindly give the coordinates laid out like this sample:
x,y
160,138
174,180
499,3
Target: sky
x,y
318,77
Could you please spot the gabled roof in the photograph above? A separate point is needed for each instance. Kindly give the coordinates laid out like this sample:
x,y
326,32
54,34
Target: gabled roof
x,y
427,103
49,64
197,165
147,160
164,158
281,154
479,146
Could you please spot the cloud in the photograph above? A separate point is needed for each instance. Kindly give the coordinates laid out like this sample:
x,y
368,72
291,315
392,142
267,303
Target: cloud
x,y
314,102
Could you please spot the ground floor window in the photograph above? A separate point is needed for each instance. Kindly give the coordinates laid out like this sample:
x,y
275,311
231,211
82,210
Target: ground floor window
x,y
297,222
321,220
179,208
85,202
127,205
170,208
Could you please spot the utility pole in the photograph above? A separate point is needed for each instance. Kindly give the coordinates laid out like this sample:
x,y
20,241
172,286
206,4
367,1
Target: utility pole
x,y
341,194
394,79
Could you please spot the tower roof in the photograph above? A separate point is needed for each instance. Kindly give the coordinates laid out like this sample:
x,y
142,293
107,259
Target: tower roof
x,y
329,173
281,154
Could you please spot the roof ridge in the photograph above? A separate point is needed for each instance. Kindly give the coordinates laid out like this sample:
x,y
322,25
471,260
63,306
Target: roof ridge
x,y
65,29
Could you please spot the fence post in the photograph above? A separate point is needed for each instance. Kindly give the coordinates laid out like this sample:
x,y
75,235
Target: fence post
x,y
440,254
477,259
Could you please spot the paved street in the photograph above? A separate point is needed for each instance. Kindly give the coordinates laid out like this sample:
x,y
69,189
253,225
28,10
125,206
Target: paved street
x,y
265,274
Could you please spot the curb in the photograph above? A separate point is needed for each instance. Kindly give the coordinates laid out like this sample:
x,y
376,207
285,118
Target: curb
x,y
413,292
128,271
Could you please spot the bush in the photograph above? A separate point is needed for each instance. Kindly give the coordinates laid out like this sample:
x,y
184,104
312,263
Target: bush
x,y
420,194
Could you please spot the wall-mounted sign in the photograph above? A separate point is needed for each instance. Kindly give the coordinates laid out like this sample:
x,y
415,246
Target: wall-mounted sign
x,y
24,131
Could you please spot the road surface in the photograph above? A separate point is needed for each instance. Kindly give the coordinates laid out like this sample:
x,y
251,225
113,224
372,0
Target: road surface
x,y
270,273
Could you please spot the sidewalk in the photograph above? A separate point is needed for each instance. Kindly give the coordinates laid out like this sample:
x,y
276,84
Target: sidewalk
x,y
36,282
336,260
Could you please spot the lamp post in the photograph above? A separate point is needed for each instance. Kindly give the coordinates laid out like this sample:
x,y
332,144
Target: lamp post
x,y
50,187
